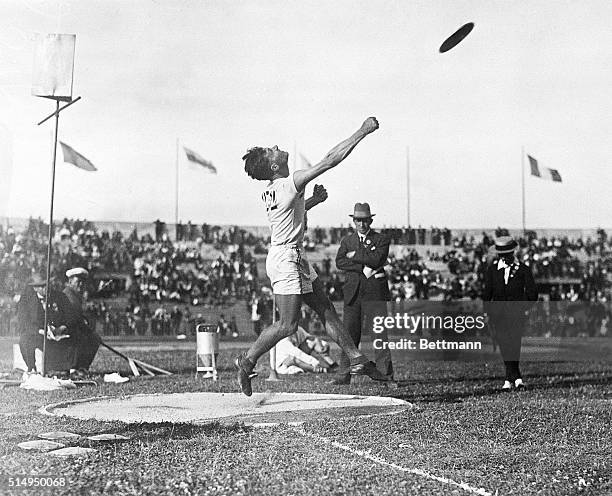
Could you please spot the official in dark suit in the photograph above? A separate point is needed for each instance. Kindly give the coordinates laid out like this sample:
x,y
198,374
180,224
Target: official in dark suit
x,y
86,339
362,255
60,350
509,286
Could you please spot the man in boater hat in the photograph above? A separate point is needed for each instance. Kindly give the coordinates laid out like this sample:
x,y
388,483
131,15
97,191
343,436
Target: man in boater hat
x,y
508,280
293,279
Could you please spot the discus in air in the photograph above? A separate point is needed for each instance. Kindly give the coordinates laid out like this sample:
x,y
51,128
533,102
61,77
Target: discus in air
x,y
457,37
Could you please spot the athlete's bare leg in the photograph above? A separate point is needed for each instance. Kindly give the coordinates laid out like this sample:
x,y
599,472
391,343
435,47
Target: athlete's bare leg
x,y
289,307
360,365
319,302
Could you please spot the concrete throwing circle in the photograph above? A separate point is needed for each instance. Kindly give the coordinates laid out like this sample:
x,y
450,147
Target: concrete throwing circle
x,y
260,409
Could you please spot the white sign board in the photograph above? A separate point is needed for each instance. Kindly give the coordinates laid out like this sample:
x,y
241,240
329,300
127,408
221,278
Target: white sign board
x,y
53,66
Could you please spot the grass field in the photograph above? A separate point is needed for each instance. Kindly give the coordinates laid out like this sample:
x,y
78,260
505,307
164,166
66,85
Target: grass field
x,y
553,438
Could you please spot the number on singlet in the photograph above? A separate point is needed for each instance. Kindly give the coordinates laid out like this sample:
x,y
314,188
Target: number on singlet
x,y
269,198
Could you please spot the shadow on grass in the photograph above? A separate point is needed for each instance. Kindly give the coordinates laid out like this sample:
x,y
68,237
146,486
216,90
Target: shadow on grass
x,y
569,382
148,431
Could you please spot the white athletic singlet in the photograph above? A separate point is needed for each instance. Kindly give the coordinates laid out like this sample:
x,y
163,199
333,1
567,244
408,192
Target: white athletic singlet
x,y
285,208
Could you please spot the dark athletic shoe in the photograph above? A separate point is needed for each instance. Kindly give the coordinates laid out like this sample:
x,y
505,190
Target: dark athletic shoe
x,y
245,374
345,380
369,369
392,384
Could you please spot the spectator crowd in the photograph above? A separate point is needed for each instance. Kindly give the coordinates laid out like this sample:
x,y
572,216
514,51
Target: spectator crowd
x,y
153,285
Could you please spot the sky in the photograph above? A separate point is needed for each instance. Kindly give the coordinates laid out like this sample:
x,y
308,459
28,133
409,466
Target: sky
x,y
223,76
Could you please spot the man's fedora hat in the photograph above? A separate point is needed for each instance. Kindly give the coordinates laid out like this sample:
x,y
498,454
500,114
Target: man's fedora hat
x,y
505,244
362,211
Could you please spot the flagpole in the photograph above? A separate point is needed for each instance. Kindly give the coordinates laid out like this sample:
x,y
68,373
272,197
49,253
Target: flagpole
x,y
407,186
46,322
176,190
50,232
523,185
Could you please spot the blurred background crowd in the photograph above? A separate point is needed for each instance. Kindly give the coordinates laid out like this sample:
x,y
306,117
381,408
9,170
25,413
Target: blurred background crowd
x,y
164,284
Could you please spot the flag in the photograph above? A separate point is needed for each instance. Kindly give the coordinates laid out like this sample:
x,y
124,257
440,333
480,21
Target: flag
x,y
545,173
196,159
71,156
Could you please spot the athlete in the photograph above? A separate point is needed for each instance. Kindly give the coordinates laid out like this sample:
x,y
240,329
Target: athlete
x,y
293,279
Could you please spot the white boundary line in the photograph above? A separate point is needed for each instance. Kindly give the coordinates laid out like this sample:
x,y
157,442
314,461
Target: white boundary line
x,y
415,471
298,427
298,423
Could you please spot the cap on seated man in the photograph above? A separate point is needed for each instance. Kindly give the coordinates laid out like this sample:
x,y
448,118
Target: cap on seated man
x,y
77,272
76,287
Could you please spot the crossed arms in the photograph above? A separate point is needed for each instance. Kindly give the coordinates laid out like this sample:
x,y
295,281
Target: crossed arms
x,y
373,256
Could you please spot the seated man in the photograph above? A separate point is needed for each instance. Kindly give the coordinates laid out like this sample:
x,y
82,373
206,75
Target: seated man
x,y
86,339
303,352
60,349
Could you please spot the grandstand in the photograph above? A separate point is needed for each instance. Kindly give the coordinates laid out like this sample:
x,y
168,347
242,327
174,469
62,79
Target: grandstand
x,y
145,284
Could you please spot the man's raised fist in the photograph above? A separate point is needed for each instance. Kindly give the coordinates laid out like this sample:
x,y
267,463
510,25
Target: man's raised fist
x,y
320,193
369,125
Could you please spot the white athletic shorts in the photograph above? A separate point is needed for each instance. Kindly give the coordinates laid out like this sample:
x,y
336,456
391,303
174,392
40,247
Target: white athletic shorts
x,y
289,271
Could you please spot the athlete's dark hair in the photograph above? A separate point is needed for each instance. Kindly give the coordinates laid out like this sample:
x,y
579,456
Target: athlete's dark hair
x,y
256,164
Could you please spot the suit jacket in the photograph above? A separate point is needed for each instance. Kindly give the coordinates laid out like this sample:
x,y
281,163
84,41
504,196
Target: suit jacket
x,y
520,288
372,253
31,312
59,355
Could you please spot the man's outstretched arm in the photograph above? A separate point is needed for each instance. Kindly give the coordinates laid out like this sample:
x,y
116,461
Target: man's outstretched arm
x,y
336,155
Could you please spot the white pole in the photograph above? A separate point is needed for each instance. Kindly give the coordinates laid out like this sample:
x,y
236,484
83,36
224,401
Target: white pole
x,y
523,185
407,186
176,191
46,318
